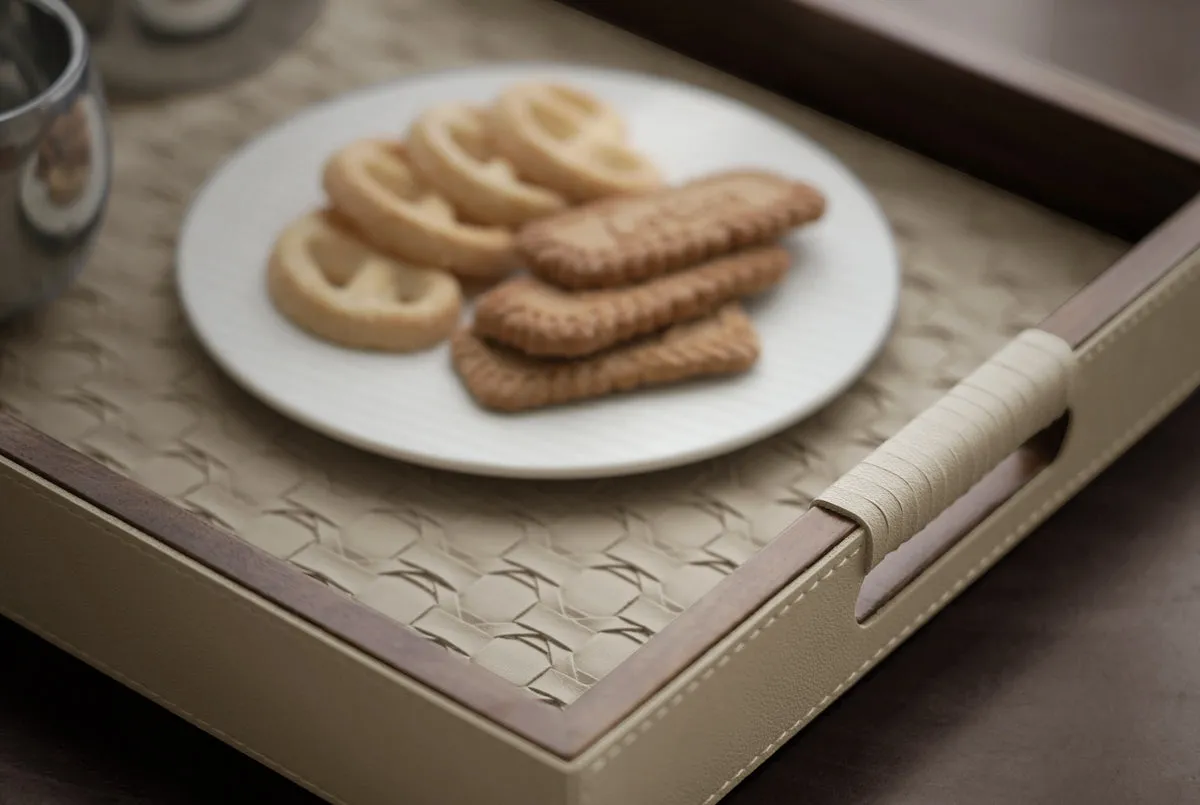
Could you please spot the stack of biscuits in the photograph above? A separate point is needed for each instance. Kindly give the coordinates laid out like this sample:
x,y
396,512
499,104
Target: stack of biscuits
x,y
629,283
410,221
633,291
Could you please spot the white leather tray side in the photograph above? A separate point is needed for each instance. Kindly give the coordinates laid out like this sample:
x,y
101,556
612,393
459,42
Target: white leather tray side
x,y
325,715
734,707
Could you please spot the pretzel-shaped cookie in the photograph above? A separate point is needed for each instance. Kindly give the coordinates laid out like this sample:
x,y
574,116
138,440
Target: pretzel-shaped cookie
x,y
329,283
450,146
567,140
372,183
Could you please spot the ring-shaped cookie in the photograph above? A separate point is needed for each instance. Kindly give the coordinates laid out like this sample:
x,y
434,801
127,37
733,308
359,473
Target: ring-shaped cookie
x,y
451,148
328,282
372,183
564,139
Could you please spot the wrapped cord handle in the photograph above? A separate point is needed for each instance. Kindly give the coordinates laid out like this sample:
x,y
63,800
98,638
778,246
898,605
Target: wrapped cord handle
x,y
913,477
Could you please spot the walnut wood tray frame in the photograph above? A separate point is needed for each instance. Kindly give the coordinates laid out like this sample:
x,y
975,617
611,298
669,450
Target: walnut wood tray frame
x,y
1046,136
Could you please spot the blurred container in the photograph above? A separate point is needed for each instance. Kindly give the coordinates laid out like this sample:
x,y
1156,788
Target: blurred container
x,y
55,155
152,48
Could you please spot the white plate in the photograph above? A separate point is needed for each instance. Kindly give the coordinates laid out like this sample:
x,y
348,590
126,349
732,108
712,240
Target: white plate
x,y
819,329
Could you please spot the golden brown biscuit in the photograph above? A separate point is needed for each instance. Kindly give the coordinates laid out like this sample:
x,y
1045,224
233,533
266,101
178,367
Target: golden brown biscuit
x,y
723,343
566,139
451,148
329,283
372,183
544,320
630,239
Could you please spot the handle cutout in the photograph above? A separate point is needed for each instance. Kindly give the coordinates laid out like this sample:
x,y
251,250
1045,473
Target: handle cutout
x,y
935,459
908,563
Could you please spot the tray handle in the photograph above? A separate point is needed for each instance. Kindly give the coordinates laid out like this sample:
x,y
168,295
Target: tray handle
x,y
913,477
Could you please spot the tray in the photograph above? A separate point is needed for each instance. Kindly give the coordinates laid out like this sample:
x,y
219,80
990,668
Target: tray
x,y
381,632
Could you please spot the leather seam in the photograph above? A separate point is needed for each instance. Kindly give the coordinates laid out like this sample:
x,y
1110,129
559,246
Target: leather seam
x,y
1055,500
258,613
719,663
1128,438
166,703
1169,290
1116,447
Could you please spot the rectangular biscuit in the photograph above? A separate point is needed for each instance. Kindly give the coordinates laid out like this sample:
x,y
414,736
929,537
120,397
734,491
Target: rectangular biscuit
x,y
501,379
540,319
627,239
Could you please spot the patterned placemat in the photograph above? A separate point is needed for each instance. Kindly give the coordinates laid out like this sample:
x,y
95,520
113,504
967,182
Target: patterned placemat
x,y
548,585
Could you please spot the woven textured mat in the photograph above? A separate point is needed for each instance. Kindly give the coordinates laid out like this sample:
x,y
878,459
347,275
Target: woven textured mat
x,y
548,585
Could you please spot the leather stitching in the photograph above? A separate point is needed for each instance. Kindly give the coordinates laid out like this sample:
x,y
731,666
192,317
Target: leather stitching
x,y
1025,526
257,613
1163,294
1131,435
108,670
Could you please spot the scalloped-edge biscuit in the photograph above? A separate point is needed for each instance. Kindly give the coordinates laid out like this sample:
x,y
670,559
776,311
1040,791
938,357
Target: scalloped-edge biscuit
x,y
326,281
567,139
543,320
625,239
371,183
500,379
450,147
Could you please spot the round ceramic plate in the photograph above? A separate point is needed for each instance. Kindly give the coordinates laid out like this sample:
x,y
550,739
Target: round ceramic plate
x,y
819,329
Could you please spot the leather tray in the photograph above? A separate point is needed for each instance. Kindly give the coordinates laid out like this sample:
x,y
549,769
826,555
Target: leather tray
x,y
381,632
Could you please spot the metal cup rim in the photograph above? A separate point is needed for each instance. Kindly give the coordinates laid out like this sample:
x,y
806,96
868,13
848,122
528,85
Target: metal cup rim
x,y
71,76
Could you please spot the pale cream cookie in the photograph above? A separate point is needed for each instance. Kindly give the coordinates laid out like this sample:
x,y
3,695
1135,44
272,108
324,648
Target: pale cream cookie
x,y
451,148
329,283
568,140
372,183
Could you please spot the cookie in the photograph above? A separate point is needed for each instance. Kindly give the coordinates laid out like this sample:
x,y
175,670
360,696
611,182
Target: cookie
x,y
450,147
326,281
630,239
567,140
372,183
544,320
723,343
